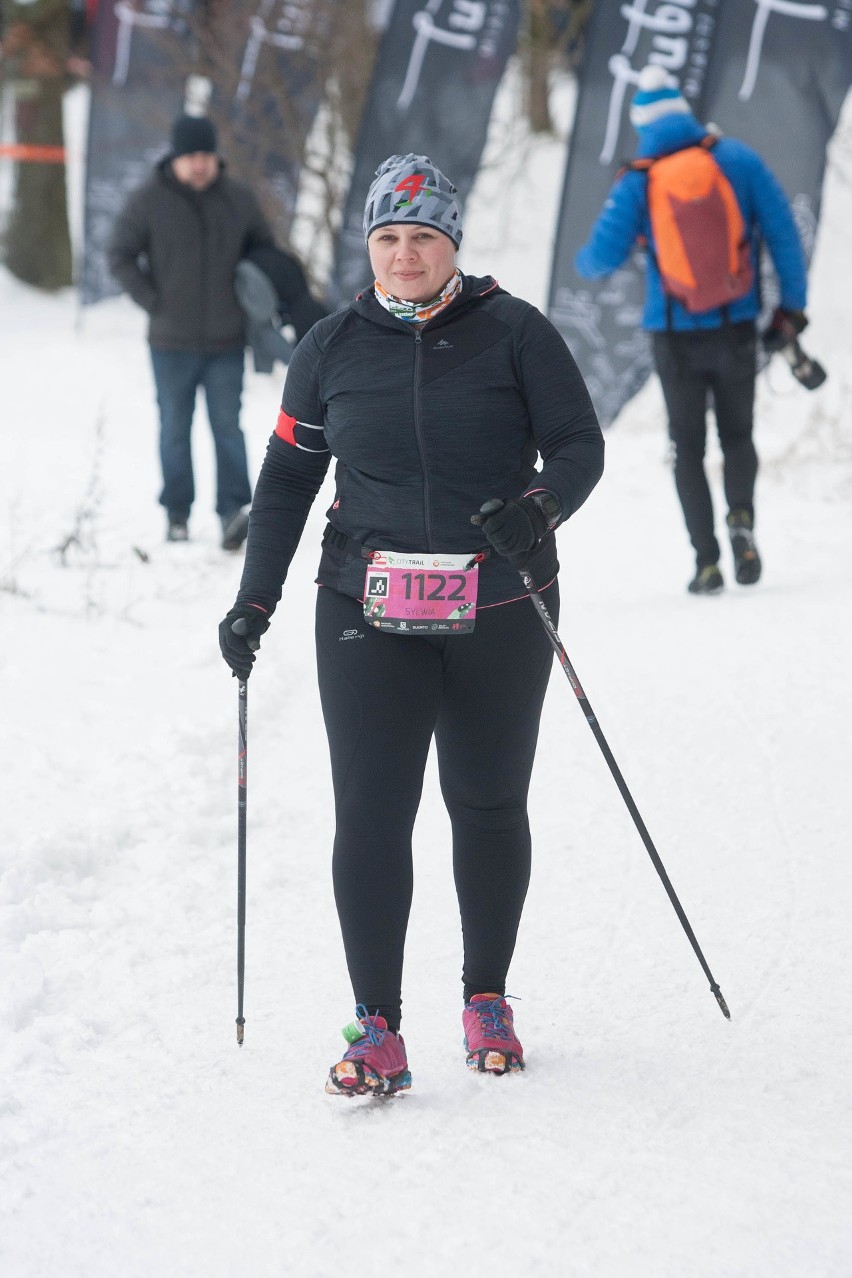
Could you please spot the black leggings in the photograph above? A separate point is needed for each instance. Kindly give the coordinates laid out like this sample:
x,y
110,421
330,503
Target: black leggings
x,y
383,697
692,366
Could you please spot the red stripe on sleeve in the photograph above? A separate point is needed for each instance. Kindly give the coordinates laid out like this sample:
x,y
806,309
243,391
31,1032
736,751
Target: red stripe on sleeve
x,y
286,428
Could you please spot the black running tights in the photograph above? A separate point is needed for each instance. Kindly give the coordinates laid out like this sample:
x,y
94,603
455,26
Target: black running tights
x,y
693,366
383,697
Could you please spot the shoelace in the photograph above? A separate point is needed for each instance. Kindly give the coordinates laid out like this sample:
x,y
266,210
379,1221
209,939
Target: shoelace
x,y
373,1036
492,1018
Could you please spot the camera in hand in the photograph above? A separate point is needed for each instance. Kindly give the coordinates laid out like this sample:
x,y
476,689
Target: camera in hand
x,y
805,370
782,337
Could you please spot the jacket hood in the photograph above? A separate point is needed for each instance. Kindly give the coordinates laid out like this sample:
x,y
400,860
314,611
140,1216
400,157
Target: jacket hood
x,y
670,133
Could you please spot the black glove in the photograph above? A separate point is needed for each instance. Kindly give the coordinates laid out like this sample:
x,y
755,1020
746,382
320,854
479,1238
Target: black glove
x,y
784,327
515,527
239,637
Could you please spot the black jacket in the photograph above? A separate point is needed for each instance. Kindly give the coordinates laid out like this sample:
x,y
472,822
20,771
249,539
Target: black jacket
x,y
426,424
175,251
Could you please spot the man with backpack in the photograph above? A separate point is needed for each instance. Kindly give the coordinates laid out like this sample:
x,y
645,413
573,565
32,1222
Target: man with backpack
x,y
701,205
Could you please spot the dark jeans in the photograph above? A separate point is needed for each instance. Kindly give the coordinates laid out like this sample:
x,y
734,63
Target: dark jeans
x,y
178,374
693,367
384,696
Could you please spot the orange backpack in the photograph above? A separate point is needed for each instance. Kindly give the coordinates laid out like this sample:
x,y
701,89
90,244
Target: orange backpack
x,y
701,244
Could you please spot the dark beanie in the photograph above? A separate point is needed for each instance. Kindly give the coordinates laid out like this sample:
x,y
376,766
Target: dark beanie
x,y
191,133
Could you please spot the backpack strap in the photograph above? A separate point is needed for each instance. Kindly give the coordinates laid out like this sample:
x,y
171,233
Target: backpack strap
x,y
644,164
635,166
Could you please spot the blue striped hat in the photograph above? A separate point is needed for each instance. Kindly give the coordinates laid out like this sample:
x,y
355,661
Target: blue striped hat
x,y
410,188
658,94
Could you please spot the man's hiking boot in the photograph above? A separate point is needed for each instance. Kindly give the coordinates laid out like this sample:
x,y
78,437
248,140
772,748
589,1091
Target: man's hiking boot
x,y
177,529
374,1064
707,581
490,1040
747,563
234,529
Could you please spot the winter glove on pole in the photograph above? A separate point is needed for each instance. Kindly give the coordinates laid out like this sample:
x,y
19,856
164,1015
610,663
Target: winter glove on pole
x,y
239,636
515,527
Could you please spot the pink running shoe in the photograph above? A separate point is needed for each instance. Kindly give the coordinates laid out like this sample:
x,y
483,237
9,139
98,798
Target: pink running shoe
x,y
489,1036
375,1063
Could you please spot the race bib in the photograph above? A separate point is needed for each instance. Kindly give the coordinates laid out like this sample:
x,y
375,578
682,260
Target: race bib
x,y
420,594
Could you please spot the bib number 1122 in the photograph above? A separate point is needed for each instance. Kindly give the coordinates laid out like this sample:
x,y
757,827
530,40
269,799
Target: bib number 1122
x,y
416,593
434,585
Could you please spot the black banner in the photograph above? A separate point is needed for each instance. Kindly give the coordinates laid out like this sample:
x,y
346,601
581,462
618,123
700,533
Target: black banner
x,y
773,73
433,89
264,60
268,87
140,57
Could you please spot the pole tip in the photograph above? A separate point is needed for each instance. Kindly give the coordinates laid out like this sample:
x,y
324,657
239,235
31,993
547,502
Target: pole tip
x,y
240,1028
720,999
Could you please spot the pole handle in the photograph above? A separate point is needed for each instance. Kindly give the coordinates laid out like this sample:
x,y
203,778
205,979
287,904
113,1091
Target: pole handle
x,y
487,508
241,627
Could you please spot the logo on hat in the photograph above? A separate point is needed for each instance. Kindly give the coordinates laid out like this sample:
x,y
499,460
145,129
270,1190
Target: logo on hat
x,y
411,185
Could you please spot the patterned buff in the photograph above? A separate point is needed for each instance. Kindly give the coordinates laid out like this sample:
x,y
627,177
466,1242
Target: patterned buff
x,y
419,312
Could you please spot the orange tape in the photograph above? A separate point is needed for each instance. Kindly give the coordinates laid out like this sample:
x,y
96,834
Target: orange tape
x,y
33,154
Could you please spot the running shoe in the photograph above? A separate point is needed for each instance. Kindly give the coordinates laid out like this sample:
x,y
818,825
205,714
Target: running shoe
x,y
707,581
374,1064
490,1040
747,565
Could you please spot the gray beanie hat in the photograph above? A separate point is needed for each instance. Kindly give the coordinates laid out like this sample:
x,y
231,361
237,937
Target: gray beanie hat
x,y
410,188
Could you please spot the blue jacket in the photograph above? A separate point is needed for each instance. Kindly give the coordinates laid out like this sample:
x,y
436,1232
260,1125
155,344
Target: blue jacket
x,y
763,204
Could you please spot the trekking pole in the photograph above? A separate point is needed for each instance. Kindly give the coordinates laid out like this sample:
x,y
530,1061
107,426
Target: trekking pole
x,y
239,627
491,508
242,698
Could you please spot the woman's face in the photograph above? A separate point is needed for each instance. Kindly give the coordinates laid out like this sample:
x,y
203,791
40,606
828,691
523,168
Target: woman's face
x,y
411,262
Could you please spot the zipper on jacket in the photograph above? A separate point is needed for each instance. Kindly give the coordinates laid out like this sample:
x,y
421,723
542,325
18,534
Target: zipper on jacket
x,y
192,198
205,270
418,359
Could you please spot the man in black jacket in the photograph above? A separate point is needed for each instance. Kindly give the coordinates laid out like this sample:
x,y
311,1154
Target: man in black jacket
x,y
175,249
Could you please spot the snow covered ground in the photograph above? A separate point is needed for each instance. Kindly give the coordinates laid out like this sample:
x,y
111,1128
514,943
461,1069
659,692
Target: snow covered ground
x,y
649,1137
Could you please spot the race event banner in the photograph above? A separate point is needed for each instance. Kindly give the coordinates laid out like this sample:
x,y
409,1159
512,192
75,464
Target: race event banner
x,y
279,46
266,89
433,88
140,59
773,73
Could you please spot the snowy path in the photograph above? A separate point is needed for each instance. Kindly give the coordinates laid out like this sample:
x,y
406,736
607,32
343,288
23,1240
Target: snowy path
x,y
649,1138
648,1135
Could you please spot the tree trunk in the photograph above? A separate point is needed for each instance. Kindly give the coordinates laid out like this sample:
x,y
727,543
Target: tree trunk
x,y
37,242
538,59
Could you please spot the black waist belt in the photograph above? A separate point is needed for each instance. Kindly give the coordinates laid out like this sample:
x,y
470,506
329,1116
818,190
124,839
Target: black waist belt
x,y
333,537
